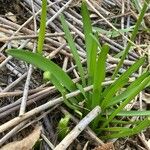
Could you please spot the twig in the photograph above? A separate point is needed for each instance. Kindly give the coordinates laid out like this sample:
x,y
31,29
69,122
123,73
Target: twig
x,y
19,92
63,145
112,25
12,132
88,130
43,107
47,141
59,12
20,37
26,87
14,83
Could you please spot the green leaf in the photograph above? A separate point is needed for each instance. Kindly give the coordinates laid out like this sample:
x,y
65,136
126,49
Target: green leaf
x,y
80,87
135,91
133,36
108,98
45,65
134,113
115,121
128,90
87,28
115,129
92,61
63,128
112,33
99,75
73,49
41,36
126,74
141,126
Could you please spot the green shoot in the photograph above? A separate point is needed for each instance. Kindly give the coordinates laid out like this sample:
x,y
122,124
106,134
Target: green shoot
x,y
63,128
41,35
111,98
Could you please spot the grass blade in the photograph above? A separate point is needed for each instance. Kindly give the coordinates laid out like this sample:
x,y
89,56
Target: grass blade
x,y
141,126
99,75
135,91
134,33
126,74
128,90
73,49
87,28
93,56
49,76
45,65
108,97
115,129
134,113
41,35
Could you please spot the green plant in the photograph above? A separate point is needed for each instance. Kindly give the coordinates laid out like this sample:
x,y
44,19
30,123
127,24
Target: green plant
x,y
63,128
111,98
42,27
134,33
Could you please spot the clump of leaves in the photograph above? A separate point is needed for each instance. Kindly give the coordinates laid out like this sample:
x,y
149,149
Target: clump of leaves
x,y
111,98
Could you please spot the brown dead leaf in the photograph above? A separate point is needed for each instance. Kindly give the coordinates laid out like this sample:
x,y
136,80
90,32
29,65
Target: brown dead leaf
x,y
2,58
26,143
107,146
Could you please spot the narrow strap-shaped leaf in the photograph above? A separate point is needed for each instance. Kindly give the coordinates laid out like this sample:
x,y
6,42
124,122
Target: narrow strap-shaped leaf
x,y
141,126
128,90
87,28
134,33
61,89
135,91
92,62
115,129
73,49
134,113
99,75
126,74
45,65
108,98
41,35
80,87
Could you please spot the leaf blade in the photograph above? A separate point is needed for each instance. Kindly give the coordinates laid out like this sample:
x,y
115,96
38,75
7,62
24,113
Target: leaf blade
x,y
45,65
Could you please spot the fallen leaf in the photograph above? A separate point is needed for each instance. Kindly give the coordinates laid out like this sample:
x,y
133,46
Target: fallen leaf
x,y
106,146
25,144
11,17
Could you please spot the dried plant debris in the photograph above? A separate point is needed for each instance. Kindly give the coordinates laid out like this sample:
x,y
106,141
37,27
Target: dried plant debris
x,y
106,146
78,2
25,144
18,80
